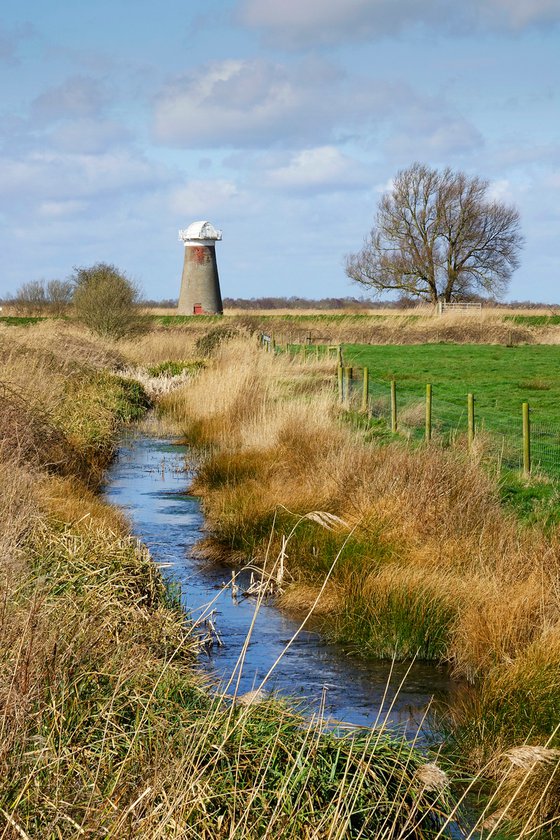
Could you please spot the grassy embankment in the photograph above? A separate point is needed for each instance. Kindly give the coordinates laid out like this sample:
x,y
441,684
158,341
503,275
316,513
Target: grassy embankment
x,y
432,564
106,728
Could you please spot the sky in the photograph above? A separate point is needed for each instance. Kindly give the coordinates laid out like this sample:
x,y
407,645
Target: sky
x,y
282,122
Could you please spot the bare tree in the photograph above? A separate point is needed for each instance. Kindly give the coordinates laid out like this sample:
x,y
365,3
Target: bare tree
x,y
438,237
39,297
30,298
59,296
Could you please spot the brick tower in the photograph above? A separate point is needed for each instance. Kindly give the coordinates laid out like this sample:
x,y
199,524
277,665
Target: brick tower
x,y
200,284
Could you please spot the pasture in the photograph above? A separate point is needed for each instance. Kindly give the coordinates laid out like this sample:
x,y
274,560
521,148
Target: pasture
x,y
501,378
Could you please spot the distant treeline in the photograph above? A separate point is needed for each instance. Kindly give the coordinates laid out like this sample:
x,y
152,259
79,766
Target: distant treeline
x,y
53,298
338,303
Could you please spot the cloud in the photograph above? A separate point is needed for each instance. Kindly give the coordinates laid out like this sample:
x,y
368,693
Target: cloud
x,y
88,136
53,177
203,198
243,103
78,96
304,23
260,104
429,130
320,169
61,209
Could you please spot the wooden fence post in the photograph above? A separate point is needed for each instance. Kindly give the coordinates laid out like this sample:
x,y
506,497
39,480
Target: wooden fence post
x,y
339,355
347,381
428,412
393,406
365,390
340,384
470,419
526,441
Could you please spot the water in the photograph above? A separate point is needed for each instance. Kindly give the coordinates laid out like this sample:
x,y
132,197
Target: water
x,y
149,483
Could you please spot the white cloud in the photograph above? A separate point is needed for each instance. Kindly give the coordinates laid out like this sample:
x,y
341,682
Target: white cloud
x,y
61,209
246,103
259,104
430,129
320,169
59,177
301,23
203,198
500,190
520,14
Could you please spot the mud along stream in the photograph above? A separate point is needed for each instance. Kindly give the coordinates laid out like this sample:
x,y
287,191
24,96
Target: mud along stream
x,y
149,483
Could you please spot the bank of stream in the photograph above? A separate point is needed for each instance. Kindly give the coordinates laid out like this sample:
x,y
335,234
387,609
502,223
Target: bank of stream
x,y
149,482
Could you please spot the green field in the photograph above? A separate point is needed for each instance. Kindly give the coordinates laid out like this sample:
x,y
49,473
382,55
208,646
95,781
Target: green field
x,y
501,379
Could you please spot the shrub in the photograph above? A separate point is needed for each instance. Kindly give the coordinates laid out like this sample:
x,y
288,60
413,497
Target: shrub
x,y
106,300
207,344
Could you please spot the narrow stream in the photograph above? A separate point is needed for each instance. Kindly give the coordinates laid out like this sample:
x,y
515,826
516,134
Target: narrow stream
x,y
149,483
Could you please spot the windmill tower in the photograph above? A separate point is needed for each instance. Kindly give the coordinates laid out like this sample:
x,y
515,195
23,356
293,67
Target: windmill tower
x,y
200,284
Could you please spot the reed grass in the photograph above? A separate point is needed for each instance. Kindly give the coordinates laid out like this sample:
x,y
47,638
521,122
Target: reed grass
x,y
434,565
106,728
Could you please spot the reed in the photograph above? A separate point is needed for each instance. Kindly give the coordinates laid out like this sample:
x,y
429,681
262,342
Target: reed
x,y
434,565
106,728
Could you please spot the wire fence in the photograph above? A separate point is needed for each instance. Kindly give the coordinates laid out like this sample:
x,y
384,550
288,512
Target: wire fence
x,y
410,411
418,412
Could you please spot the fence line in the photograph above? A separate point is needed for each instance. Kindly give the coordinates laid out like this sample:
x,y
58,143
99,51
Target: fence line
x,y
524,444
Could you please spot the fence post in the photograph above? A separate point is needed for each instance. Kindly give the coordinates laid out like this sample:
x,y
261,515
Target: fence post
x,y
470,419
340,384
317,352
347,380
393,406
365,390
428,412
526,441
340,362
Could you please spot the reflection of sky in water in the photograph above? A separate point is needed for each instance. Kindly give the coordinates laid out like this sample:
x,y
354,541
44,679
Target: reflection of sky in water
x,y
148,483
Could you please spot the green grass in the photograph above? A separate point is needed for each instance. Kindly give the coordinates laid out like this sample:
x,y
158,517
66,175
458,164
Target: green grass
x,y
534,320
16,321
179,320
174,368
501,379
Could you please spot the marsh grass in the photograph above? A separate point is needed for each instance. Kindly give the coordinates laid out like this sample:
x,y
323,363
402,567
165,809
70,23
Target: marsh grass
x,y
106,727
434,567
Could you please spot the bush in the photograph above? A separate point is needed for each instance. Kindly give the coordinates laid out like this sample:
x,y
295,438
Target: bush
x,y
106,300
207,344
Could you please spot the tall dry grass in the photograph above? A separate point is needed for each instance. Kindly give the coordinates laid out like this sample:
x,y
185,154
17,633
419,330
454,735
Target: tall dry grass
x,y
106,728
432,565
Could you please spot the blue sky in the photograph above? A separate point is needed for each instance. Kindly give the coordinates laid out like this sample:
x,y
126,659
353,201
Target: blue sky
x,y
280,122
